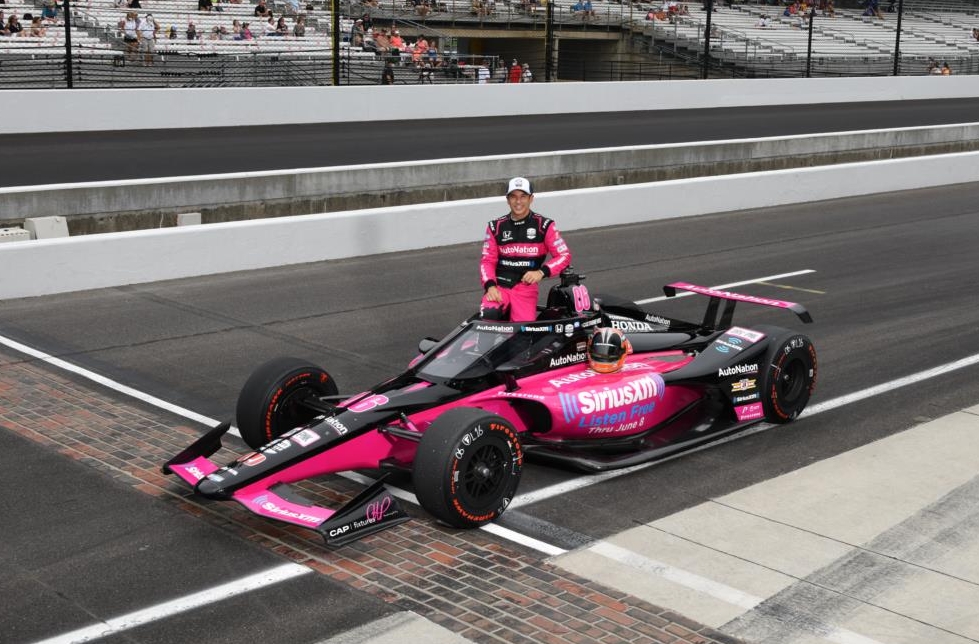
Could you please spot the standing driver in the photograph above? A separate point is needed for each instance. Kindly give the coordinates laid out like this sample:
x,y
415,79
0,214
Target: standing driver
x,y
514,254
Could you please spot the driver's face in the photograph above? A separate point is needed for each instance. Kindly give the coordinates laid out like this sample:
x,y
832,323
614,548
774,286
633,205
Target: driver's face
x,y
519,204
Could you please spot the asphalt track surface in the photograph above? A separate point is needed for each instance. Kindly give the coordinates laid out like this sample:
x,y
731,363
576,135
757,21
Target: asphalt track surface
x,y
893,292
102,156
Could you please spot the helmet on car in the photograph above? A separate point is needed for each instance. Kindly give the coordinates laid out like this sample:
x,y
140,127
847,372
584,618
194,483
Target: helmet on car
x,y
607,349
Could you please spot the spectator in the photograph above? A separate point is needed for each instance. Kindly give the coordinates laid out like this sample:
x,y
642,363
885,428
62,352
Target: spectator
x,y
49,11
172,32
14,28
382,42
425,74
246,32
281,28
482,73
130,34
397,42
946,70
513,75
147,37
235,30
268,28
191,31
357,34
299,30
515,248
526,77
829,9
763,22
292,7
37,28
261,9
3,25
205,5
387,76
588,11
975,33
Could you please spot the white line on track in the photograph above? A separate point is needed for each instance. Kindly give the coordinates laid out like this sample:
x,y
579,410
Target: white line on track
x,y
181,604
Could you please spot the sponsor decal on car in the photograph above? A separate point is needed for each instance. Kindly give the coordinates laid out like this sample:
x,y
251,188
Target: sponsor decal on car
x,y
273,508
612,409
745,384
726,344
655,319
253,459
743,399
280,445
521,394
337,425
538,329
753,411
494,329
569,359
746,334
305,438
737,370
632,326
195,471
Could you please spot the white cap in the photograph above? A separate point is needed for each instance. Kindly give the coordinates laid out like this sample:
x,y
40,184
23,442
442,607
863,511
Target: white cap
x,y
519,183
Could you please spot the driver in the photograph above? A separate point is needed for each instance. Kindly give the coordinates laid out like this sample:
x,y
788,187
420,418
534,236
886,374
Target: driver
x,y
514,253
607,349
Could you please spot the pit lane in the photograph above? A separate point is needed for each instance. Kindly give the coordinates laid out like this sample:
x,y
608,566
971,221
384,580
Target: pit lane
x,y
893,292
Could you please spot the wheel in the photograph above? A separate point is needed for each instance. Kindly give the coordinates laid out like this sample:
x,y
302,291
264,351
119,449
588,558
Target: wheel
x,y
788,376
271,402
467,467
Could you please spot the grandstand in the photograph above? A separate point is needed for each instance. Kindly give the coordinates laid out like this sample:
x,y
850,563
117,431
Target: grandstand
x,y
848,44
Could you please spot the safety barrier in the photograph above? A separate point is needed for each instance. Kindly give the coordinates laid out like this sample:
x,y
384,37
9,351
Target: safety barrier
x,y
94,261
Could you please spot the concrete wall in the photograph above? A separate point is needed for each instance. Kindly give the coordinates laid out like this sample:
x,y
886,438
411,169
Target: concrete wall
x,y
134,204
127,109
94,261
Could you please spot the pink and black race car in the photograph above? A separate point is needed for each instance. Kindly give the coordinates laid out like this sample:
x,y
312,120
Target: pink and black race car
x,y
468,411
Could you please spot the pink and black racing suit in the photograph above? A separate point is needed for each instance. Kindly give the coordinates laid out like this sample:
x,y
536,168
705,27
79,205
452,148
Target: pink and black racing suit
x,y
512,248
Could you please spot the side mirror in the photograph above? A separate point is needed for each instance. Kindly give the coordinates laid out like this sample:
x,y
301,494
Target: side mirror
x,y
425,344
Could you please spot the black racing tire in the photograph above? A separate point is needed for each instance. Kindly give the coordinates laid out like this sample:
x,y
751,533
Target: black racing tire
x,y
467,467
788,375
270,402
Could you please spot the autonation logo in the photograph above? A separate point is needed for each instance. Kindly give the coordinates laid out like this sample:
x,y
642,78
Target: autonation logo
x,y
737,370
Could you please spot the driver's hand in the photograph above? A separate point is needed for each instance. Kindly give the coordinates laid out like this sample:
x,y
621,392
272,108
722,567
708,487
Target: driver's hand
x,y
532,277
493,294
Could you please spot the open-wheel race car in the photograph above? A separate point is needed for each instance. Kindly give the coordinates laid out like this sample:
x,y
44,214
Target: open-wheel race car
x,y
472,406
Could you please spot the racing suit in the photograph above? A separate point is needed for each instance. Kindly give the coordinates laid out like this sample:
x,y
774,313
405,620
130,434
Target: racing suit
x,y
510,249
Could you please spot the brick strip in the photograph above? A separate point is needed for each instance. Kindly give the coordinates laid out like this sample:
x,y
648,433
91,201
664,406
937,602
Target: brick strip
x,y
468,581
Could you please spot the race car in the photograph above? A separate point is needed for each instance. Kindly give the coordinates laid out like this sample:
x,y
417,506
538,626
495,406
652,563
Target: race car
x,y
472,406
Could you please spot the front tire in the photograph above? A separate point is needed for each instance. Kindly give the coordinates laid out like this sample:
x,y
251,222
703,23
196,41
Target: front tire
x,y
467,467
271,402
788,376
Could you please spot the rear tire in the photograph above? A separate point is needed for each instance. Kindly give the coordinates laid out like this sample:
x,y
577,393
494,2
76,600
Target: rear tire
x,y
788,376
467,467
270,403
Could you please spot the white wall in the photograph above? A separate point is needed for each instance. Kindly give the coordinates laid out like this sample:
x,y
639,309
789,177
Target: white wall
x,y
127,109
94,261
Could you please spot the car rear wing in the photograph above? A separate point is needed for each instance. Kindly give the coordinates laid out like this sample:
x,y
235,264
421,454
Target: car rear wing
x,y
730,299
